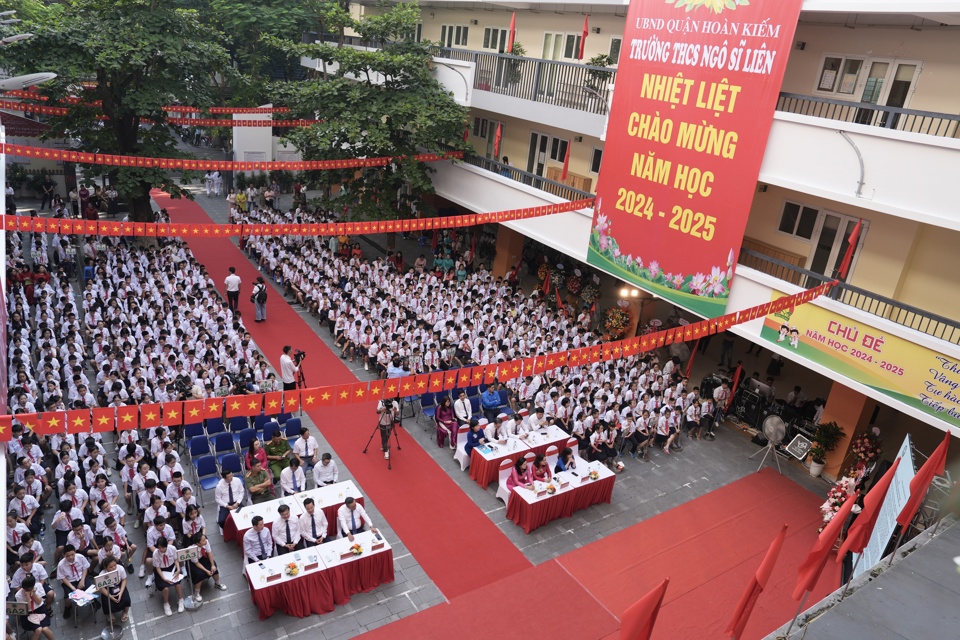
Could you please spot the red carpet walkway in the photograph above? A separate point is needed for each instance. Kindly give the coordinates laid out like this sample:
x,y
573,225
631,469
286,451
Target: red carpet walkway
x,y
434,518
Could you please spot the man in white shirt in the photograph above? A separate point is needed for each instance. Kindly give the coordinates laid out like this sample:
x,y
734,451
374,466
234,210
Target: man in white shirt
x,y
288,370
305,448
292,479
313,524
353,518
257,543
326,472
462,408
286,531
229,496
232,284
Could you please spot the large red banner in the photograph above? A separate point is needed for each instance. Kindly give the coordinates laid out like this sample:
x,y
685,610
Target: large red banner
x,y
696,87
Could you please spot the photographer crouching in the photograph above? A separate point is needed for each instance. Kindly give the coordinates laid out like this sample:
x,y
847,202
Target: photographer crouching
x,y
290,367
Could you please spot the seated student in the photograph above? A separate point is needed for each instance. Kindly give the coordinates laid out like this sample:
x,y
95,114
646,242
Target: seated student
x,y
326,472
204,567
29,543
313,523
286,531
159,530
81,538
166,570
194,526
257,542
259,483
116,598
541,471
292,479
27,509
30,567
353,518
15,532
520,476
72,573
108,550
29,594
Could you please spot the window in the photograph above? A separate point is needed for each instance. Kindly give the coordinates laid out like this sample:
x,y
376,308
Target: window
x,y
615,50
839,75
558,149
595,160
480,127
495,39
798,220
454,35
418,35
571,47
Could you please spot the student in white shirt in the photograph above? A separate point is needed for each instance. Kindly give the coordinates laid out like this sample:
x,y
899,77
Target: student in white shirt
x,y
166,566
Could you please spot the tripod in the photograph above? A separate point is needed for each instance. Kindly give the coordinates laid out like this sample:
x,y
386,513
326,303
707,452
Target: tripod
x,y
386,439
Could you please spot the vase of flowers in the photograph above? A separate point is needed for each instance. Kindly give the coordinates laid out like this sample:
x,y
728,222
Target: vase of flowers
x,y
551,489
615,322
594,474
356,549
836,496
589,294
574,283
291,569
866,450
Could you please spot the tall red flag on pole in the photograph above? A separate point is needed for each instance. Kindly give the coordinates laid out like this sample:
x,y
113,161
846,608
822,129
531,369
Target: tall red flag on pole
x,y
583,36
758,582
496,141
733,387
638,620
693,354
566,162
921,482
810,569
851,247
858,535
513,32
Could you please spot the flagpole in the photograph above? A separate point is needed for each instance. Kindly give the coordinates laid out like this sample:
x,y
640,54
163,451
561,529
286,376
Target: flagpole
x,y
843,594
796,615
896,547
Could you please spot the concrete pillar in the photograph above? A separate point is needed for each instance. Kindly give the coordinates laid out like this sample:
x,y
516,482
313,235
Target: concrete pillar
x,y
852,411
509,249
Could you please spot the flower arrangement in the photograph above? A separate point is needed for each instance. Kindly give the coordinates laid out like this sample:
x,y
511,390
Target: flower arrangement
x,y
866,450
574,284
557,278
551,489
291,569
594,474
715,284
837,495
589,294
356,549
615,322
542,271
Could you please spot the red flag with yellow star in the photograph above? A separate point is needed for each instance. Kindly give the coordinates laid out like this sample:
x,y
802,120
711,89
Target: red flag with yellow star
x,y
78,421
172,413
192,411
51,422
436,382
450,379
376,390
406,386
6,428
360,392
128,417
242,405
344,394
273,403
325,396
291,401
150,415
309,398
391,387
104,419
213,408
421,383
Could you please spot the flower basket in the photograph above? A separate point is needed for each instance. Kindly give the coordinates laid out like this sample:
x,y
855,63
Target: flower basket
x,y
542,271
589,294
574,284
594,475
291,569
866,450
356,550
551,489
615,322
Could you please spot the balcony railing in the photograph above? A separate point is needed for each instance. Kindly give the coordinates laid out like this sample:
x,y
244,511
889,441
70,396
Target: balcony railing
x,y
564,84
872,303
945,125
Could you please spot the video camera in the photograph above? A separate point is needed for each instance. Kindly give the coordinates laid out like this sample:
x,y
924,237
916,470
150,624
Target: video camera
x,y
298,356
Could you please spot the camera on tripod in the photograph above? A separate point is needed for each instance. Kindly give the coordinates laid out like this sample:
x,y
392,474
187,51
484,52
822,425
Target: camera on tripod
x,y
298,356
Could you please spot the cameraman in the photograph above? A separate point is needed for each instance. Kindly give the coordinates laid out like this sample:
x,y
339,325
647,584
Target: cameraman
x,y
387,414
288,370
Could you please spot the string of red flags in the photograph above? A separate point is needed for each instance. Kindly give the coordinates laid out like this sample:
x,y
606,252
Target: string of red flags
x,y
177,413
49,110
173,108
212,122
70,226
82,157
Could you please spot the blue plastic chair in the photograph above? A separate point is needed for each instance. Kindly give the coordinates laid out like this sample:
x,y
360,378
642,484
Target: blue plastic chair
x,y
291,428
215,426
208,475
473,392
283,417
244,438
239,423
232,462
475,405
428,405
260,422
193,430
269,429
223,445
198,446
505,402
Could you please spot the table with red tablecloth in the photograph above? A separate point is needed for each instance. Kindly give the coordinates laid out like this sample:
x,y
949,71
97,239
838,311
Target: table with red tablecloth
x,y
531,509
485,465
318,590
328,498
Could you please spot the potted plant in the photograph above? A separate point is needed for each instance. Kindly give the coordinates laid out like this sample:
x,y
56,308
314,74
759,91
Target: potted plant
x,y
825,439
596,78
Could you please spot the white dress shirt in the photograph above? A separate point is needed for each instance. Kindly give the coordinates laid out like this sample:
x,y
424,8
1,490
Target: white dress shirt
x,y
286,481
232,282
280,532
360,517
326,473
463,410
251,544
222,494
306,449
307,523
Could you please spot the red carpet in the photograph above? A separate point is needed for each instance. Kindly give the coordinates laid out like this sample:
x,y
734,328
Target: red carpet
x,y
541,602
433,517
708,548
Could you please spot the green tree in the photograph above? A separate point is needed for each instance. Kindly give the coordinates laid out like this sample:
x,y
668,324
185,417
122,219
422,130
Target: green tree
x,y
139,55
372,103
